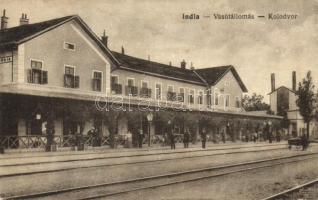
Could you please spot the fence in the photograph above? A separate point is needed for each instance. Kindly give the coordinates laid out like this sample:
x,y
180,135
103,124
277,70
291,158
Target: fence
x,y
40,141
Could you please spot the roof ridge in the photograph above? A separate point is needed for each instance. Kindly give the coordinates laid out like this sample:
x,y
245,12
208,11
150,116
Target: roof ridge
x,y
32,24
201,69
152,61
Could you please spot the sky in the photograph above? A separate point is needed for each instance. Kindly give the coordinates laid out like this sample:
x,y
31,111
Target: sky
x,y
256,48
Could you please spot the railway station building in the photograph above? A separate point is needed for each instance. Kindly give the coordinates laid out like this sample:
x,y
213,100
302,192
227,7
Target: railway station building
x,y
59,75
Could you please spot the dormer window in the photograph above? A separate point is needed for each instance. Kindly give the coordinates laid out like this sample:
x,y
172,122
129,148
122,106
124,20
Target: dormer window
x,y
69,46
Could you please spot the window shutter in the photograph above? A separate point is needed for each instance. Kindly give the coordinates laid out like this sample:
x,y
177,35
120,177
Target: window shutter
x,y
44,77
65,81
76,81
30,79
94,84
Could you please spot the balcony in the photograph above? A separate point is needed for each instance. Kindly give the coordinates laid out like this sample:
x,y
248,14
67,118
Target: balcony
x,y
145,92
71,81
171,96
117,88
37,76
131,90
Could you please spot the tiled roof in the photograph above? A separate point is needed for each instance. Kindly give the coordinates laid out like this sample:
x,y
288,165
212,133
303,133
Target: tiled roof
x,y
11,37
212,75
15,35
155,68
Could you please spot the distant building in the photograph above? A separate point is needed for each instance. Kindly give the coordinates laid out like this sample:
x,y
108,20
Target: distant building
x,y
283,103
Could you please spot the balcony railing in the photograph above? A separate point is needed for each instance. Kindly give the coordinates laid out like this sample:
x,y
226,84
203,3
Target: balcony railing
x,y
171,96
97,84
40,141
71,81
37,76
117,88
145,92
131,90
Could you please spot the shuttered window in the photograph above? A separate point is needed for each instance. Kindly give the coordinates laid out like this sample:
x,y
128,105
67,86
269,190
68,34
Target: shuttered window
x,y
36,75
97,81
70,80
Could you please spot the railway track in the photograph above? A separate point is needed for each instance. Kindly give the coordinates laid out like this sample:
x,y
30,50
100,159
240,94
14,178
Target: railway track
x,y
105,190
295,192
92,165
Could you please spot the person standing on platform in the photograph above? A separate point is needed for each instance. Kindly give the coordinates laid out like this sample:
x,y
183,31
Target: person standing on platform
x,y
186,138
203,138
255,136
171,135
223,136
140,138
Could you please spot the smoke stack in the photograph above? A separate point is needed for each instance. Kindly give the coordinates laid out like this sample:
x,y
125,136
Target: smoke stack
x,y
24,20
183,64
294,80
104,39
4,20
273,81
122,50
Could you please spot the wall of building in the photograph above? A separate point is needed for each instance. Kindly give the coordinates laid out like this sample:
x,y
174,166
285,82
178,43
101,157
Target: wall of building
x,y
123,125
273,102
49,48
292,101
152,81
228,85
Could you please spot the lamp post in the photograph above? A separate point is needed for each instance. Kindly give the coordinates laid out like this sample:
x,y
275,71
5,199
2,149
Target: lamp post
x,y
149,118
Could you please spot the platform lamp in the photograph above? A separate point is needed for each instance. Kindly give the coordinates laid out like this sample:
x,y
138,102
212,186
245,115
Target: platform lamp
x,y
149,118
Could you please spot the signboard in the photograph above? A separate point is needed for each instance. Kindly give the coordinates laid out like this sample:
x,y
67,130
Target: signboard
x,y
5,59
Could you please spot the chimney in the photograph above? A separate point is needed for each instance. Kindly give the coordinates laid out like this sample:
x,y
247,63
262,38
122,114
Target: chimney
x,y
122,50
148,57
4,20
273,81
170,63
183,64
104,39
24,20
294,80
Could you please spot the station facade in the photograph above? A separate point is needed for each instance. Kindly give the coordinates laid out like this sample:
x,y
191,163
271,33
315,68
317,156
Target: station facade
x,y
58,74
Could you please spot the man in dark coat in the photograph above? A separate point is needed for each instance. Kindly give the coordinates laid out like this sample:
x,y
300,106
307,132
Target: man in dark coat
x,y
140,138
171,135
304,142
186,138
203,137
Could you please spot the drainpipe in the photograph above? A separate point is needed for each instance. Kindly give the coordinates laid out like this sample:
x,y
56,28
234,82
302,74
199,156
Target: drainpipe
x,y
12,67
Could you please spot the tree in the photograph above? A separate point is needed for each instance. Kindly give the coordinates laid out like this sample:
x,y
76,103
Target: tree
x,y
254,103
306,99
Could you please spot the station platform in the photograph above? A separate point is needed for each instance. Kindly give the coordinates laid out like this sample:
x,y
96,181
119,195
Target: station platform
x,y
21,153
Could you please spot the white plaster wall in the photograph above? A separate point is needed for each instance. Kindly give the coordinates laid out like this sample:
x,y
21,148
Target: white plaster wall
x,y
58,126
123,125
21,127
